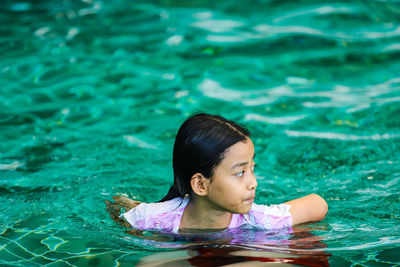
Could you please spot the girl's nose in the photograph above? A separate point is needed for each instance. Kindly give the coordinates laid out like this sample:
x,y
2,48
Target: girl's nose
x,y
253,183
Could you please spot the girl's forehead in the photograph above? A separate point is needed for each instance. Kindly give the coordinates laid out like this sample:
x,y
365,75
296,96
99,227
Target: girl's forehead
x,y
242,149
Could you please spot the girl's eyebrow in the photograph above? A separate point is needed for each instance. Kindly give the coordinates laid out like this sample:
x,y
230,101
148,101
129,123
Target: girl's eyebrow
x,y
240,164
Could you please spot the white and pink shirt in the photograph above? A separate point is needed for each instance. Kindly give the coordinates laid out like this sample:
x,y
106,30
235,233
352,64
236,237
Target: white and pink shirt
x,y
166,216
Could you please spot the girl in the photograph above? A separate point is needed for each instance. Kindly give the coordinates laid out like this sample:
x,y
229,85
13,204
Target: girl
x,y
214,186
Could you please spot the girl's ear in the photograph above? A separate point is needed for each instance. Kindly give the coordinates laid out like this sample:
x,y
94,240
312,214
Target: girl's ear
x,y
199,184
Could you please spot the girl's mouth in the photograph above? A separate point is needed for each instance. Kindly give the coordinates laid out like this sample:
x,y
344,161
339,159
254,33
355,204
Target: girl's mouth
x,y
250,200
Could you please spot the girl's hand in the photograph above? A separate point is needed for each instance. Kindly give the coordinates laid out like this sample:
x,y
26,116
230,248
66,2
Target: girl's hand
x,y
115,208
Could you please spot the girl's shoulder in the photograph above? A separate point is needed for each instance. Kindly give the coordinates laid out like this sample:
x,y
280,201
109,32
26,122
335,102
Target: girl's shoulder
x,y
156,216
278,210
270,217
148,209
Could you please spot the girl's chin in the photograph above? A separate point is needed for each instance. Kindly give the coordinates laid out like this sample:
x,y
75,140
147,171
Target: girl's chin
x,y
245,210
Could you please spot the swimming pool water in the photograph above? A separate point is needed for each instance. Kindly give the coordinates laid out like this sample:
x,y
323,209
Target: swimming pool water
x,y
92,94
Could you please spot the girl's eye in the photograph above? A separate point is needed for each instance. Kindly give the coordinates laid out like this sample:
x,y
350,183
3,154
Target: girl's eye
x,y
252,168
240,174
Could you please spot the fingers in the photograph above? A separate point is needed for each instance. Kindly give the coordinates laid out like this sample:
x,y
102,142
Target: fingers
x,y
121,198
119,220
126,202
121,204
133,203
115,209
117,203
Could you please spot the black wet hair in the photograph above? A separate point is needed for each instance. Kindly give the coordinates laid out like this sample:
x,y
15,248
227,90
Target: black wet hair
x,y
200,145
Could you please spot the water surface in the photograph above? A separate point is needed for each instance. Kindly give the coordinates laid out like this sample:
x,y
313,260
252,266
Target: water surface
x,y
92,94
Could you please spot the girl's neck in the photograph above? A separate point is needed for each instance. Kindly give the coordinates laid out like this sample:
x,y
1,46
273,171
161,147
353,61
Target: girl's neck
x,y
199,214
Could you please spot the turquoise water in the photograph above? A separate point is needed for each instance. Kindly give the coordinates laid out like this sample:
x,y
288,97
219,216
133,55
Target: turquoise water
x,y
92,94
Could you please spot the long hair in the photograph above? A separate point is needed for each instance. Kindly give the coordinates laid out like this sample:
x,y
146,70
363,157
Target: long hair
x,y
199,147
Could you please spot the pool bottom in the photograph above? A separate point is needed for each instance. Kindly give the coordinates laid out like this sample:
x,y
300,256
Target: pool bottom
x,y
37,240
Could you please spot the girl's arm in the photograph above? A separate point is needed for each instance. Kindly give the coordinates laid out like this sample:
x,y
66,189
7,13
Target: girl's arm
x,y
114,208
310,208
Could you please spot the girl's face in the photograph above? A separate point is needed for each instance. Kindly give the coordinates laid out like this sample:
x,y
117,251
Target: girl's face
x,y
233,186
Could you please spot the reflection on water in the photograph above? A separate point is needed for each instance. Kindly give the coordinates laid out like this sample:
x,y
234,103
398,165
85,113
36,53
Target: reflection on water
x,y
234,246
232,256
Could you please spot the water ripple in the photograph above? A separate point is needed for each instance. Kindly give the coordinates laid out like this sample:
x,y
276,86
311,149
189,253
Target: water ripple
x,y
353,98
320,10
218,26
341,136
274,120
